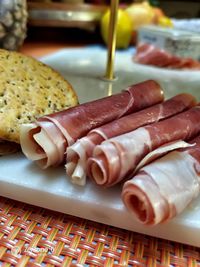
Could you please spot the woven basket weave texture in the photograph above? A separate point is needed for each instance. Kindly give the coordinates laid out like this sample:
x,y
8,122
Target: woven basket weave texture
x,y
32,236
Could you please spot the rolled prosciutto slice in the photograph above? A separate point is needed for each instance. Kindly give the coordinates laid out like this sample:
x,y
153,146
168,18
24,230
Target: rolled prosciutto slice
x,y
45,141
149,54
82,149
118,157
165,187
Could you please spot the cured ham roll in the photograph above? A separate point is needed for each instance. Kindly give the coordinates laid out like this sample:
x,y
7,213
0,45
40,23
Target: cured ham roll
x,y
148,54
165,187
118,157
45,141
82,149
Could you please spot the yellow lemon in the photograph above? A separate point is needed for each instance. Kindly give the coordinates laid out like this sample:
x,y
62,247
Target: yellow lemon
x,y
124,28
165,22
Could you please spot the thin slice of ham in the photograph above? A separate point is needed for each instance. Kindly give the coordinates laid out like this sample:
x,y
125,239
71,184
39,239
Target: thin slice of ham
x,y
45,141
165,187
82,149
149,54
117,158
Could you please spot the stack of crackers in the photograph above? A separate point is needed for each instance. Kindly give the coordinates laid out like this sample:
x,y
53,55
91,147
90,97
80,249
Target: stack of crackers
x,y
29,89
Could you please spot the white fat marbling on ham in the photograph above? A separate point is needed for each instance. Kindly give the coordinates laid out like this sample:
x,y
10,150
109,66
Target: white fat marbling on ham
x,y
79,152
37,141
130,148
49,148
75,168
163,189
74,123
160,151
56,137
131,102
32,151
63,130
101,133
112,159
96,165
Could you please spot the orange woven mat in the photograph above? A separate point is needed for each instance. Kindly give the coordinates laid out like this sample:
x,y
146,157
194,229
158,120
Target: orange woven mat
x,y
32,236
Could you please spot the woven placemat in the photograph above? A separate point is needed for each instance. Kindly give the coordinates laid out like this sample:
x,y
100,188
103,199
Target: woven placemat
x,y
33,236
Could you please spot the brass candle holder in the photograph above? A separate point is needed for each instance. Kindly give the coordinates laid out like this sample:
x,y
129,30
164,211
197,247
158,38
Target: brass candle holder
x,y
109,75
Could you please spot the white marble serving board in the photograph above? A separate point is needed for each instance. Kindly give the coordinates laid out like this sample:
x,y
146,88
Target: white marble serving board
x,y
22,180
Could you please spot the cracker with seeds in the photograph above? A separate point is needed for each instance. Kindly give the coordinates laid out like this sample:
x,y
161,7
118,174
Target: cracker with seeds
x,y
29,89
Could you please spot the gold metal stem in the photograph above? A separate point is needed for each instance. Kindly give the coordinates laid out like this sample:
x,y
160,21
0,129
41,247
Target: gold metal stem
x,y
112,40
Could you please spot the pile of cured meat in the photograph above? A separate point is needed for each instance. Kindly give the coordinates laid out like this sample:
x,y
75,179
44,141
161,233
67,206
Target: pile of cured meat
x,y
151,146
148,54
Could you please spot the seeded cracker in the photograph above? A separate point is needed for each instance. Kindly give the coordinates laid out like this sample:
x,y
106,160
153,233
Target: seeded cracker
x,y
29,89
